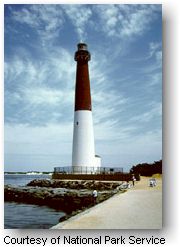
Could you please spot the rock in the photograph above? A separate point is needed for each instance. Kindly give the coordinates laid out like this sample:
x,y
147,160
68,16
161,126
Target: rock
x,y
40,183
77,185
67,196
63,218
66,200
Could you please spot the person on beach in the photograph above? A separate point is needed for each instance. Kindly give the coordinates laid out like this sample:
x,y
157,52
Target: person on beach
x,y
133,180
95,196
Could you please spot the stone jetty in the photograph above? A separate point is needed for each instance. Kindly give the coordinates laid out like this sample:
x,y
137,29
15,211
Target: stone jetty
x,y
68,196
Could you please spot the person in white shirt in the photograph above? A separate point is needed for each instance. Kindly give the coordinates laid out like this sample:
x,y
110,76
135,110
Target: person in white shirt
x,y
95,194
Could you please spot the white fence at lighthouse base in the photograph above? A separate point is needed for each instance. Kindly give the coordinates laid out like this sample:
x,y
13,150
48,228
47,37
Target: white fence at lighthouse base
x,y
87,170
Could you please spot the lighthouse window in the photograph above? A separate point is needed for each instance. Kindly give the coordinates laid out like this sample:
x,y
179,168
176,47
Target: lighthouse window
x,y
77,123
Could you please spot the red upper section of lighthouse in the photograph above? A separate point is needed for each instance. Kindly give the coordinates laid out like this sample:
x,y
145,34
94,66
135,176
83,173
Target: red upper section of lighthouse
x,y
82,94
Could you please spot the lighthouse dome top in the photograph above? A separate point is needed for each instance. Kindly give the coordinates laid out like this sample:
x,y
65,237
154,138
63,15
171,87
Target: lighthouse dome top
x,y
82,55
82,47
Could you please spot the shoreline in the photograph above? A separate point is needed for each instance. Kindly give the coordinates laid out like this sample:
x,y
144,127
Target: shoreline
x,y
111,212
71,197
139,208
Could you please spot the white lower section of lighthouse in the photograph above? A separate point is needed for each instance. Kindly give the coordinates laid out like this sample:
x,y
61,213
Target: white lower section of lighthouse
x,y
83,155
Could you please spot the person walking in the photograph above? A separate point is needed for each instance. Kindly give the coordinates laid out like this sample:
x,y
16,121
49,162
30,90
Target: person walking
x,y
133,180
95,194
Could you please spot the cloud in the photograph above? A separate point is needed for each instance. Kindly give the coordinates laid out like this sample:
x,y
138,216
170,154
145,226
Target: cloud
x,y
125,21
40,78
107,105
49,68
37,147
155,52
154,111
46,20
114,20
42,148
152,61
43,96
153,47
38,134
37,87
79,16
155,79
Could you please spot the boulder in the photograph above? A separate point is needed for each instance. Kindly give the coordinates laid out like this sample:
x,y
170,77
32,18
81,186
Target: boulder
x,y
77,185
67,196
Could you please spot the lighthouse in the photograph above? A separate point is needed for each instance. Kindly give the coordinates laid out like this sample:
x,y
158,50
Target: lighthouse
x,y
84,159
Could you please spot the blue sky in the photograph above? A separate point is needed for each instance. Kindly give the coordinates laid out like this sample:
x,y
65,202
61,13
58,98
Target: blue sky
x,y
126,83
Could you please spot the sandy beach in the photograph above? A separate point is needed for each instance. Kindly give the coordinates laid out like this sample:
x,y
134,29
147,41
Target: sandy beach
x,y
138,208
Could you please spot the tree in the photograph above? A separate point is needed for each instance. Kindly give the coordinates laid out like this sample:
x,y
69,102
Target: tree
x,y
146,169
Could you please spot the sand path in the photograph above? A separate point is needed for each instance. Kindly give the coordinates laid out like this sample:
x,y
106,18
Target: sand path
x,y
138,208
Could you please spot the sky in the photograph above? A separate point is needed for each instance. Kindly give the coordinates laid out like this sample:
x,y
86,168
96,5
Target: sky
x,y
125,42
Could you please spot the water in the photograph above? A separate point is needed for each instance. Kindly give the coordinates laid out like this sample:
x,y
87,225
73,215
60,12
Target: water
x,y
18,179
26,216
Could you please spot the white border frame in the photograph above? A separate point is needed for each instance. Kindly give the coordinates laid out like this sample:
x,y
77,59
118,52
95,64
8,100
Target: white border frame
x,y
171,132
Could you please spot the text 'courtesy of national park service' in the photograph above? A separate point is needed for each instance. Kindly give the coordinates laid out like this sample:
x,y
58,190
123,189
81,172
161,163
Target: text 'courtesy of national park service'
x,y
78,240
